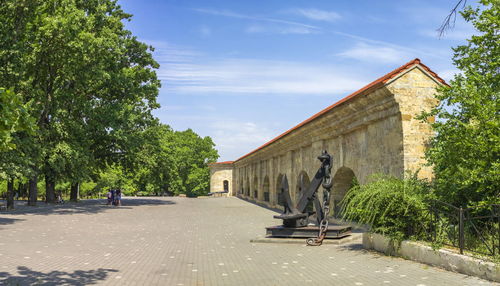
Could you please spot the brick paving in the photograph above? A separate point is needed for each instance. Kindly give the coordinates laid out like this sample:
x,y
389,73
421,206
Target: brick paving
x,y
182,241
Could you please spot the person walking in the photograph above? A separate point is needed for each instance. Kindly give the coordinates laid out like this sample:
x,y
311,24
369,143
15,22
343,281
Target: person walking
x,y
118,198
110,197
59,198
113,197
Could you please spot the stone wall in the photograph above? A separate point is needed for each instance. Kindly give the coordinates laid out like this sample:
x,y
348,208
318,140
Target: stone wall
x,y
415,93
375,130
220,173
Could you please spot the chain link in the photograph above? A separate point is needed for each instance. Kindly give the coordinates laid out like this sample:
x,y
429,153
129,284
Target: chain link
x,y
323,225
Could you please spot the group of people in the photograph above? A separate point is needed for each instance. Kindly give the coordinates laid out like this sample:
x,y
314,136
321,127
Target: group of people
x,y
115,197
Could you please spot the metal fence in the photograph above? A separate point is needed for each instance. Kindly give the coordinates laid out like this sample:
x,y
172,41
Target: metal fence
x,y
474,229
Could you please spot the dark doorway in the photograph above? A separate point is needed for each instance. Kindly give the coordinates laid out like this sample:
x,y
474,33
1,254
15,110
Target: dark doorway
x,y
342,183
226,186
266,189
279,196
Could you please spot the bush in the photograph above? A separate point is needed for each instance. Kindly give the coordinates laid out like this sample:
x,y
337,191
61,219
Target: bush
x,y
391,206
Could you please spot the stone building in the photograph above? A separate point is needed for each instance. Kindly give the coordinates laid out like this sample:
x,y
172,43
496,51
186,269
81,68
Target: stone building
x,y
373,130
221,177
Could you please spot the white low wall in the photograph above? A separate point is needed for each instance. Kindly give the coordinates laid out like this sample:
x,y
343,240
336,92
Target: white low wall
x,y
441,258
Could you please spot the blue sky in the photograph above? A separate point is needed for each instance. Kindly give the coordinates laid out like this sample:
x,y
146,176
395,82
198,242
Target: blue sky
x,y
243,72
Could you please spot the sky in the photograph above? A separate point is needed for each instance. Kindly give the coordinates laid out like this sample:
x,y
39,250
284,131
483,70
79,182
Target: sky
x,y
243,72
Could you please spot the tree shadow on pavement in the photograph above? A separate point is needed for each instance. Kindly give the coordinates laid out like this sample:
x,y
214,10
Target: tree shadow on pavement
x,y
83,207
27,276
4,220
145,201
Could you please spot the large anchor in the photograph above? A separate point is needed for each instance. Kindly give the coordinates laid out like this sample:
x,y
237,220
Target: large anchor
x,y
297,216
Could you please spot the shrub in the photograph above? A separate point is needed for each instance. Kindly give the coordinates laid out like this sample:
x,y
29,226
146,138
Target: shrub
x,y
391,206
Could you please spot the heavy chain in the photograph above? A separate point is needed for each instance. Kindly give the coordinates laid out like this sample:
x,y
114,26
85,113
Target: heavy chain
x,y
323,225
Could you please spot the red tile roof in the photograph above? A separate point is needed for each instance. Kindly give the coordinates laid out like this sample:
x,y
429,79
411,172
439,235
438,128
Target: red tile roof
x,y
369,87
225,162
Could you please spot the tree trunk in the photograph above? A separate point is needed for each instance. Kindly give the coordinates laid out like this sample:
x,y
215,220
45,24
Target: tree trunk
x,y
10,194
22,190
75,192
33,191
50,189
26,193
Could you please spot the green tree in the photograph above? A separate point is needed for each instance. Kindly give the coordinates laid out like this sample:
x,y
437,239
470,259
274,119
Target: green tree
x,y
14,117
193,155
93,83
465,152
155,162
17,164
172,161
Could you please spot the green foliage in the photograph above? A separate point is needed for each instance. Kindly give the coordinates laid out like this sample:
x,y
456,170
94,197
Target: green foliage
x,y
14,117
113,177
391,206
465,152
193,155
198,181
174,162
87,189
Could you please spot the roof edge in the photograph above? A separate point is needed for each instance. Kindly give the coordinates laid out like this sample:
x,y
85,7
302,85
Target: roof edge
x,y
382,81
221,163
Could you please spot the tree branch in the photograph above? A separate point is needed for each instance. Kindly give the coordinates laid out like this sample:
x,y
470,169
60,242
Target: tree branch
x,y
449,21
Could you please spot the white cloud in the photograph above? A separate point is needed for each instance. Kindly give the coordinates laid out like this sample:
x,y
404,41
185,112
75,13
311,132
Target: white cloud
x,y
316,14
293,27
201,107
273,29
231,14
372,53
378,43
165,52
232,136
188,73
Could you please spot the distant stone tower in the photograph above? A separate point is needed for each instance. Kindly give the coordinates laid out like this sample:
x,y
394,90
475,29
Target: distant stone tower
x,y
221,177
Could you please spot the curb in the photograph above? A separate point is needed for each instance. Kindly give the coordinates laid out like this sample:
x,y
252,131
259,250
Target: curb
x,y
440,257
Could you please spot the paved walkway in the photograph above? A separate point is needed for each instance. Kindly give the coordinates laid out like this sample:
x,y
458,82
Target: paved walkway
x,y
181,241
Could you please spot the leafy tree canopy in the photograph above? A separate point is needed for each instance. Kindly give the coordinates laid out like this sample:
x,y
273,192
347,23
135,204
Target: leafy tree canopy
x,y
14,117
465,152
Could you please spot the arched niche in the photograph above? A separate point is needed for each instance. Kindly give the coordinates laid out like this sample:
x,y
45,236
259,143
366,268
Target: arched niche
x,y
342,181
279,199
265,189
247,187
255,193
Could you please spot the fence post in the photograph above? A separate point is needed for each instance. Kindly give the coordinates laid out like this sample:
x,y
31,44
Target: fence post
x,y
434,220
497,214
461,230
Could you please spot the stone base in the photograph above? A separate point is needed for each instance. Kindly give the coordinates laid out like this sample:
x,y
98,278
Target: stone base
x,y
334,231
350,239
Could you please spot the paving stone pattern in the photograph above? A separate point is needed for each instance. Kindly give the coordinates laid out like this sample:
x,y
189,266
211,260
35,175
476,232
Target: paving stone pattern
x,y
182,241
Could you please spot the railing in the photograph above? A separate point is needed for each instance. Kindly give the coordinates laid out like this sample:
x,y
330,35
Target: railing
x,y
474,229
